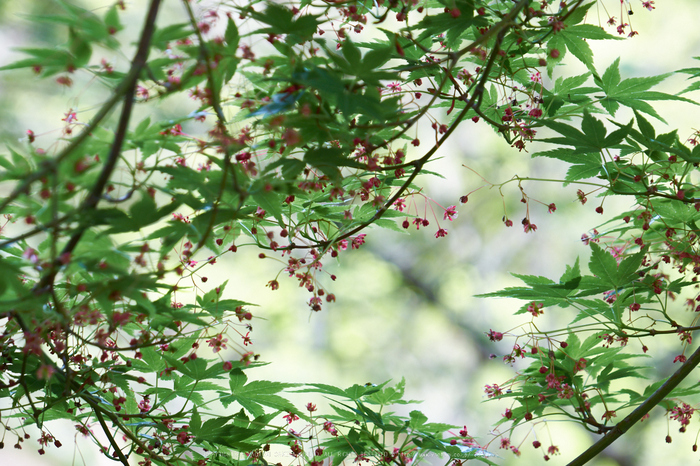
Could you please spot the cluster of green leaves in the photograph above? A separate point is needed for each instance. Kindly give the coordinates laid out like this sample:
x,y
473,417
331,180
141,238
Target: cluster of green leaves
x,y
643,261
303,142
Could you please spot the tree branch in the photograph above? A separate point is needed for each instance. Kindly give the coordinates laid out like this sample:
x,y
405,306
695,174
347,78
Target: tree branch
x,y
95,193
634,417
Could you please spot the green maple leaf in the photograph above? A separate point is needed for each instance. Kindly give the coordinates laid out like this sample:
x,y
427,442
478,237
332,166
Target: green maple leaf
x,y
632,92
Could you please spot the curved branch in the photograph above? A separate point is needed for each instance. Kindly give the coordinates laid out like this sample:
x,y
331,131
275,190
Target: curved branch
x,y
474,102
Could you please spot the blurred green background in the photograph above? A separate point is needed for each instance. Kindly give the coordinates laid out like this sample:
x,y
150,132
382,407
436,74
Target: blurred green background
x,y
405,305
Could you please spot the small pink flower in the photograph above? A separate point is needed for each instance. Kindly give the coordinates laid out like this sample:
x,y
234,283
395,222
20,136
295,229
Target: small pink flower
x,y
358,241
581,197
450,213
494,336
182,437
31,255
145,405
529,227
395,87
218,343
45,371
535,113
682,413
492,391
64,81
535,308
70,117
142,92
291,137
621,28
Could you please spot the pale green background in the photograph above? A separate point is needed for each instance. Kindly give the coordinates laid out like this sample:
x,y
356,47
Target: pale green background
x,y
405,305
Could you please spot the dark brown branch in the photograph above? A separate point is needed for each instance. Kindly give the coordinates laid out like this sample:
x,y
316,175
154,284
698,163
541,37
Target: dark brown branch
x,y
95,193
636,415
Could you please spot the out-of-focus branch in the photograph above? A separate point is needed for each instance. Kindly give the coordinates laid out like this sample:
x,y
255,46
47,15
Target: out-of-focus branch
x,y
93,197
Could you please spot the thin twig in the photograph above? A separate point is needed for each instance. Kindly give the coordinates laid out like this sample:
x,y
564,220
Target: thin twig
x,y
216,105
